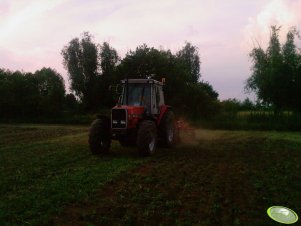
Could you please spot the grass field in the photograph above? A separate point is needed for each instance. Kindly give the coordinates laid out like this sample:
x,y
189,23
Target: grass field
x,y
48,177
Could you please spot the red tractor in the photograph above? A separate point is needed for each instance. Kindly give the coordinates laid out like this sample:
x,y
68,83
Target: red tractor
x,y
140,118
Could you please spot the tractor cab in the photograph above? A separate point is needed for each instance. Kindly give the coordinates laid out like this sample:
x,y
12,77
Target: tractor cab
x,y
147,93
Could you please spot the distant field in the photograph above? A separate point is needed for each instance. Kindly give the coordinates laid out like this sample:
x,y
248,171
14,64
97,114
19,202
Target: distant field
x,y
48,177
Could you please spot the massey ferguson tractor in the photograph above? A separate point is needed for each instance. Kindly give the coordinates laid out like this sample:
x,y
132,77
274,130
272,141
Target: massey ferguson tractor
x,y
140,118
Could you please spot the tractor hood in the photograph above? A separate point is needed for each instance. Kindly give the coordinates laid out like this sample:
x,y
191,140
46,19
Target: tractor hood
x,y
136,111
126,117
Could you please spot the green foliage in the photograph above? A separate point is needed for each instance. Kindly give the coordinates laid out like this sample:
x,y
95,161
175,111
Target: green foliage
x,y
198,101
189,58
234,105
94,69
145,61
80,60
247,104
276,77
70,102
231,105
51,90
91,69
182,72
246,115
108,60
30,95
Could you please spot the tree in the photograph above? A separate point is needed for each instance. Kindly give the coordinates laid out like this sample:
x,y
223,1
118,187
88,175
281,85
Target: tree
x,y
71,104
297,93
51,89
145,61
231,105
18,94
290,70
108,61
81,62
31,95
188,56
247,105
258,81
275,72
276,78
91,76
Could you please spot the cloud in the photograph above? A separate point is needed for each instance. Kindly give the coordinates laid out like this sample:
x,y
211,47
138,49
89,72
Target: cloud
x,y
19,15
284,13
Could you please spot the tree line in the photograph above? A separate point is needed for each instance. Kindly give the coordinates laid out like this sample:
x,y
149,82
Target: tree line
x,y
31,94
276,73
94,68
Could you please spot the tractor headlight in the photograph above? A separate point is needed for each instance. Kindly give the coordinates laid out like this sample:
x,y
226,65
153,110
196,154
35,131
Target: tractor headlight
x,y
122,122
114,121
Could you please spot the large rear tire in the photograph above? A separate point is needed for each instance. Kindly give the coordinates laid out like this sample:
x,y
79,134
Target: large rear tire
x,y
147,138
100,136
168,130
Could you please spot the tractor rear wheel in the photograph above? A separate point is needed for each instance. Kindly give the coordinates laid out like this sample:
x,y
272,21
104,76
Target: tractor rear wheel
x,y
100,136
147,138
168,130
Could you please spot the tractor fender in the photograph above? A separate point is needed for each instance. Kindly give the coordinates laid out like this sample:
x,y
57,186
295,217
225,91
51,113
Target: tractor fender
x,y
163,110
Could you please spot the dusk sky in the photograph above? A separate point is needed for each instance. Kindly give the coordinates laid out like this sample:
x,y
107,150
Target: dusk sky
x,y
33,33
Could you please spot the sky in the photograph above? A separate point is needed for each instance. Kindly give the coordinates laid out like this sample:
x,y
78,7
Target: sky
x,y
33,32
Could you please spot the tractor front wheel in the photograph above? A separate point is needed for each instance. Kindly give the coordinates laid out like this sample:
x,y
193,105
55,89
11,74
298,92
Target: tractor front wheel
x,y
100,136
147,138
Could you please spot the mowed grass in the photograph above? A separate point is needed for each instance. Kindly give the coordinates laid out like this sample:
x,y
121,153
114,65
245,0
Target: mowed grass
x,y
44,167
218,178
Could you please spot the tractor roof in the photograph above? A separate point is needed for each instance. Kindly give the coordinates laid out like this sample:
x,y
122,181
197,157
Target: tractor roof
x,y
142,81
